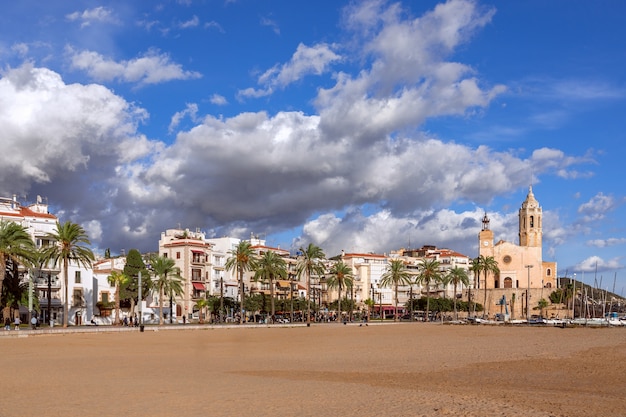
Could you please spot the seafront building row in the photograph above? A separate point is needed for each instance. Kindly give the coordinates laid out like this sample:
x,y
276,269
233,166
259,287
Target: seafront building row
x,y
202,263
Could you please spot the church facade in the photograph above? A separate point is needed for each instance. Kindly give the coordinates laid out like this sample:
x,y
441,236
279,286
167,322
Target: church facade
x,y
521,265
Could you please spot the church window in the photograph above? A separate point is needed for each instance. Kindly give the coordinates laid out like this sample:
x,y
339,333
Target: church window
x,y
548,272
532,221
506,259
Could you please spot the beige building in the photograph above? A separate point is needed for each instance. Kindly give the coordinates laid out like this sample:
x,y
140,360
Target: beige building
x,y
192,255
521,266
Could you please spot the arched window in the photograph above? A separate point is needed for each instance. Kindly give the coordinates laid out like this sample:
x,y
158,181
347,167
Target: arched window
x,y
548,272
508,282
549,285
532,221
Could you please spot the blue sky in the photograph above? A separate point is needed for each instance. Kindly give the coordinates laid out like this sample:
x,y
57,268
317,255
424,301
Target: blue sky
x,y
364,126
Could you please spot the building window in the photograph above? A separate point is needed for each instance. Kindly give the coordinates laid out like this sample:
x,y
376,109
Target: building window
x,y
196,275
506,259
105,297
165,255
77,277
177,255
532,221
548,272
78,297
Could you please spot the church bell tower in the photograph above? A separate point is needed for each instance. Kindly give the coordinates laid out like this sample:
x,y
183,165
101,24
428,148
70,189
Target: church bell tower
x,y
530,233
485,238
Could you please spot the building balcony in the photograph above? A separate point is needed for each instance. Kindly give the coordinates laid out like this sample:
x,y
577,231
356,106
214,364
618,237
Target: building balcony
x,y
43,282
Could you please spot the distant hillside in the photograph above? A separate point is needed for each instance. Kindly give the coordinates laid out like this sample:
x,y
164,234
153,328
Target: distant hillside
x,y
592,292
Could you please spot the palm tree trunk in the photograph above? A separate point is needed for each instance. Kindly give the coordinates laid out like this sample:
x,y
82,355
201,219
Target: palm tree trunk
x,y
308,298
395,308
485,301
161,321
272,295
339,305
117,304
66,307
3,267
241,295
456,315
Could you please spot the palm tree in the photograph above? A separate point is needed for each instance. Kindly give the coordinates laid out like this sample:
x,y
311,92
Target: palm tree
x,y
118,279
456,276
167,279
340,277
396,275
429,272
202,304
488,264
71,245
310,262
15,245
268,268
242,259
475,268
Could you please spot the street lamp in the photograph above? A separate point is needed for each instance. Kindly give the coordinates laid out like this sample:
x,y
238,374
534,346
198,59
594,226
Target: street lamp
x,y
49,299
528,295
221,299
573,295
291,283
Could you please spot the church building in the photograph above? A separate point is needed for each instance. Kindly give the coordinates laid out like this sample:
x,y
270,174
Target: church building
x,y
521,266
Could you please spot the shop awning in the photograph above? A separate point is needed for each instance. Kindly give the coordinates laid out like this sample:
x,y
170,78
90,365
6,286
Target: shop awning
x,y
198,286
283,283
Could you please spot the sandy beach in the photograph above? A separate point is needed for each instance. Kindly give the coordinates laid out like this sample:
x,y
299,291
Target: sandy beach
x,y
412,369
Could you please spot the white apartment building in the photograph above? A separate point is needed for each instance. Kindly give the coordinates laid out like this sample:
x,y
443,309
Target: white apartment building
x,y
447,258
47,281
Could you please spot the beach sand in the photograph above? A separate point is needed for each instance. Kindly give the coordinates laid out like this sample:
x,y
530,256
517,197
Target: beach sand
x,y
411,369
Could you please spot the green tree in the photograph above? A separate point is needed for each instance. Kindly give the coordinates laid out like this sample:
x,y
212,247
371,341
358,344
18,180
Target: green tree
x,y
117,279
428,273
71,246
457,276
15,291
395,276
340,277
488,265
543,303
268,268
310,261
16,245
130,292
475,269
241,259
370,306
202,304
167,280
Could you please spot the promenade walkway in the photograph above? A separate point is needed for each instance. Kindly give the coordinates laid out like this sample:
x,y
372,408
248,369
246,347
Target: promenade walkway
x,y
28,331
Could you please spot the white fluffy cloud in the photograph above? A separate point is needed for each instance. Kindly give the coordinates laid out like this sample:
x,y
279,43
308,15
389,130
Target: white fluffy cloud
x,y
151,68
89,16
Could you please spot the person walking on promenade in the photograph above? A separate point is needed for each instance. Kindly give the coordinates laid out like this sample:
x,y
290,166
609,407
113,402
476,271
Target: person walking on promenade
x,y
17,322
7,323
